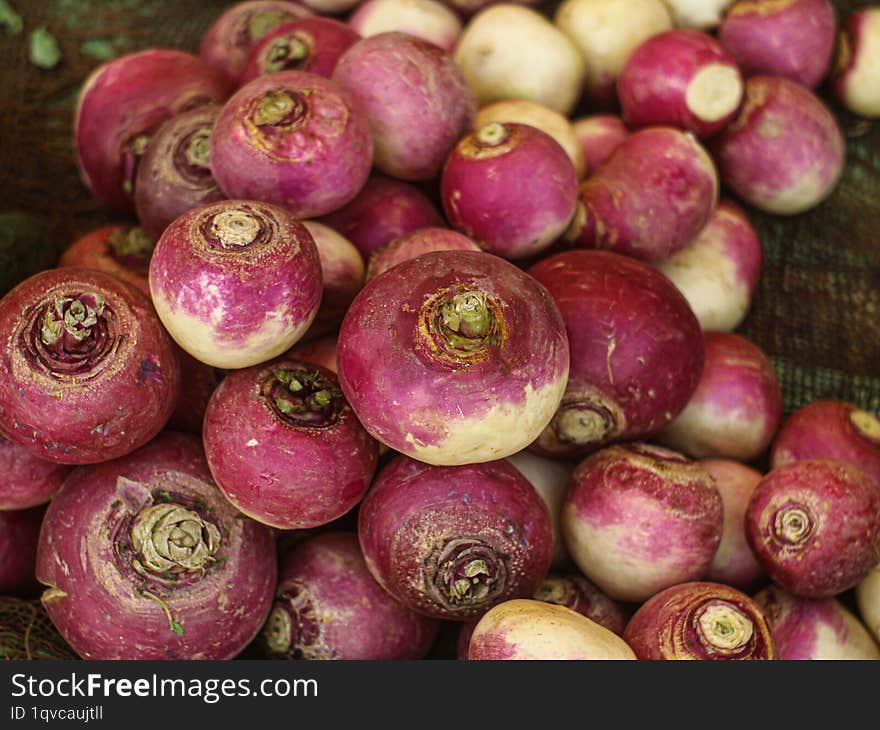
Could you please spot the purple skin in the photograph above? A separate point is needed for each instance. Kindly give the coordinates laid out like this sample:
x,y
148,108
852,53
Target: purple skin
x,y
854,80
578,594
430,20
599,136
789,38
318,352
818,630
719,271
652,197
454,357
327,606
415,243
830,430
87,373
682,78
298,457
121,106
451,542
384,209
121,250
675,503
511,187
795,529
25,480
212,264
143,558
734,563
415,98
227,44
293,139
19,534
636,351
737,407
309,44
174,176
197,382
785,152
701,621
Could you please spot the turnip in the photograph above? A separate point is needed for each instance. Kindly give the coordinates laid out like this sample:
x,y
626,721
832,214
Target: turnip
x,y
784,153
19,534
121,250
384,209
327,606
86,371
606,32
415,243
312,44
636,350
830,430
414,97
454,357
143,558
197,382
294,139
856,78
550,479
702,621
699,14
318,352
451,542
429,20
683,78
174,175
236,282
599,135
638,519
523,111
819,630
734,562
511,52
815,526
297,457
789,38
652,197
468,8
718,272
868,599
511,187
331,7
578,594
528,629
737,407
228,42
123,103
26,480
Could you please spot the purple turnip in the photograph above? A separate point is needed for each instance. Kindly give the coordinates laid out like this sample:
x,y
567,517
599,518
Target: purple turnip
x,y
638,519
819,630
815,526
578,594
26,480
636,350
511,187
856,78
197,382
318,352
702,621
331,7
784,153
236,282
429,20
87,373
415,243
143,558
454,357
868,599
121,106
294,139
297,457
528,629
699,14
174,175
414,97
121,250
599,136
19,535
451,542
327,606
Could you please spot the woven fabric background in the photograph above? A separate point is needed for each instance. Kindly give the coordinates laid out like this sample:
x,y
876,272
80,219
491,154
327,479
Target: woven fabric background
x,y
817,307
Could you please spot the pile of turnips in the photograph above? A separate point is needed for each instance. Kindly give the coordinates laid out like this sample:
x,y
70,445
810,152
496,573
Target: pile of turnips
x,y
401,341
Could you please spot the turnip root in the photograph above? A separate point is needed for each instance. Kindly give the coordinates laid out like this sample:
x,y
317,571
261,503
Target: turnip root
x,y
599,136
121,250
737,407
868,599
674,503
429,20
856,78
197,382
528,629
784,153
318,352
795,527
718,272
511,52
26,480
578,594
19,535
414,244
699,14
331,7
